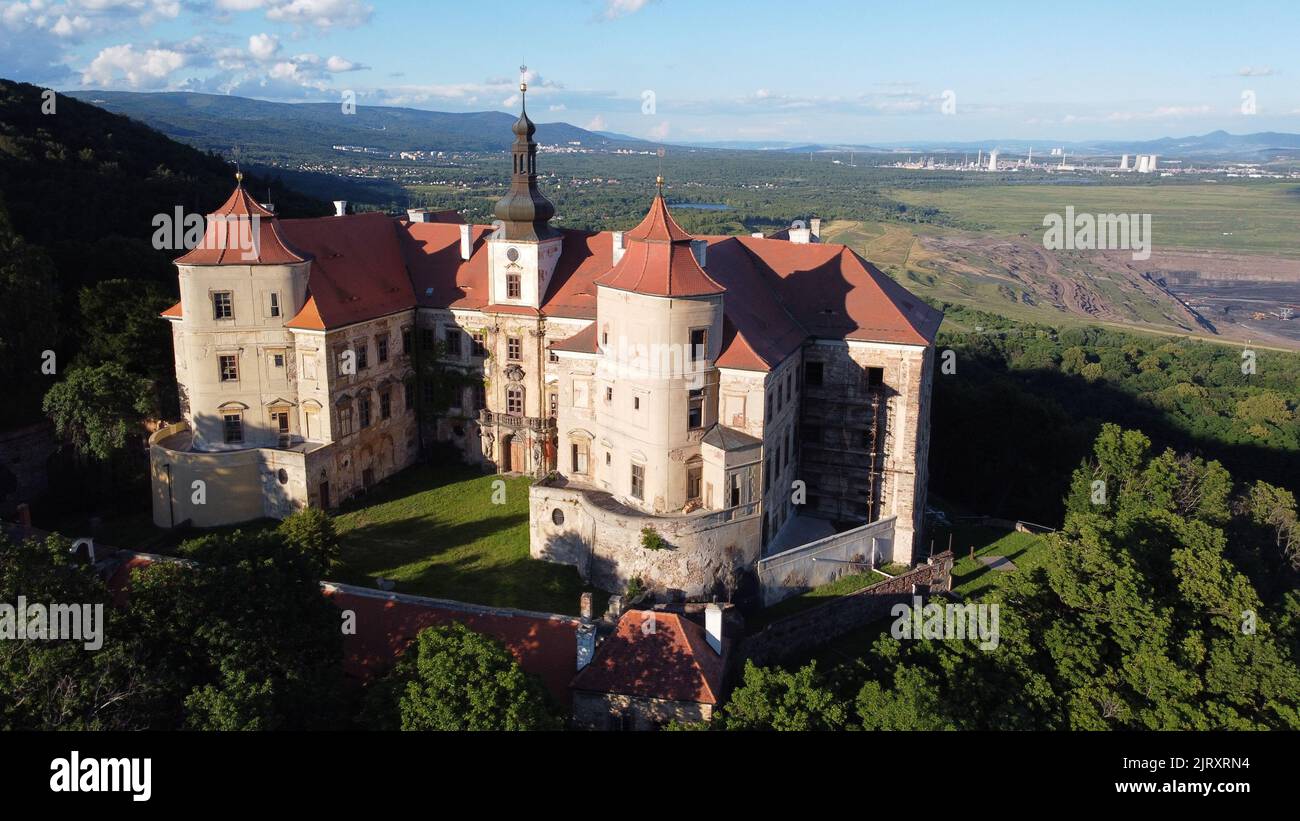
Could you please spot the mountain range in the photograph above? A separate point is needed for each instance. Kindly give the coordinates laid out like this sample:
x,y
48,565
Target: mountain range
x,y
265,131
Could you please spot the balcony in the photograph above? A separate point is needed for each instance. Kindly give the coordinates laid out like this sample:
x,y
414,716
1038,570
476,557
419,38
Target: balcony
x,y
487,418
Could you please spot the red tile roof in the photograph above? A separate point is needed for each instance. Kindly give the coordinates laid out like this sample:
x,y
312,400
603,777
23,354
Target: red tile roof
x,y
357,269
545,645
653,654
583,341
173,312
776,293
241,232
659,260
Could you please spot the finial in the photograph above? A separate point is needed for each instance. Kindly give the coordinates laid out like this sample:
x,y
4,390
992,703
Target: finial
x,y
239,176
523,78
659,181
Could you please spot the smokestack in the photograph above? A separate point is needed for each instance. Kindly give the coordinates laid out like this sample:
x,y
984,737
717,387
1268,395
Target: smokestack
x,y
466,246
713,627
619,247
815,225
700,248
340,207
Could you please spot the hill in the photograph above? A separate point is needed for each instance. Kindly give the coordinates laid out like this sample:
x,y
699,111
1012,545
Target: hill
x,y
271,132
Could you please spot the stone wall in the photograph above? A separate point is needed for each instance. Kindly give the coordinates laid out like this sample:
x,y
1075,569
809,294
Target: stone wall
x,y
703,553
811,628
802,568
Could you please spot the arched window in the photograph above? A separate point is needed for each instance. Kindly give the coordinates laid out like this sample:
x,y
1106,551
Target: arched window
x,y
515,400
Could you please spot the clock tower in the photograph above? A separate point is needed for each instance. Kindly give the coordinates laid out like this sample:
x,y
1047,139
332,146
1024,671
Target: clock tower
x,y
524,250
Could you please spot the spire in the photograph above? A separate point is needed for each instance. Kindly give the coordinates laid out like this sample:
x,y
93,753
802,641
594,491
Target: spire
x,y
525,211
660,259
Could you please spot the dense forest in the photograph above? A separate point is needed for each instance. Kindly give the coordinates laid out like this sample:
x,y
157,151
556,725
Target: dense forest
x,y
1024,402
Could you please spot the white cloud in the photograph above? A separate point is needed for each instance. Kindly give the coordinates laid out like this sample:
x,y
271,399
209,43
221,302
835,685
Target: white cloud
x,y
336,64
145,68
557,107
660,132
1256,71
614,9
263,46
597,123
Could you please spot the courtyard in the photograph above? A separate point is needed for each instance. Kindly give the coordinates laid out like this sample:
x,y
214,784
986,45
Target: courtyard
x,y
438,531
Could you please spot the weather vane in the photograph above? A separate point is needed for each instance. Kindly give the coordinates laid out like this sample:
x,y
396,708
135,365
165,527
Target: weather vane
x,y
523,77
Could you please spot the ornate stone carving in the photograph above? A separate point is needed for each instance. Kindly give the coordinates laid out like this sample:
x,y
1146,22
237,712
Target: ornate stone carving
x,y
514,373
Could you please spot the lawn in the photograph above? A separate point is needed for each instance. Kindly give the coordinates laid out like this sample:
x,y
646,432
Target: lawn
x,y
972,579
437,532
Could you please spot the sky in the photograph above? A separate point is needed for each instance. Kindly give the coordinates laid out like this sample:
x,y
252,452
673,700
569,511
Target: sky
x,y
705,70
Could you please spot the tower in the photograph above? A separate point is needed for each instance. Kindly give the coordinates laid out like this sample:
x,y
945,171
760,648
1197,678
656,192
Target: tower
x,y
525,248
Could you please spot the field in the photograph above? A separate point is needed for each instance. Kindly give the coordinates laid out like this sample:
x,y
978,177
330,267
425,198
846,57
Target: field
x,y
1243,218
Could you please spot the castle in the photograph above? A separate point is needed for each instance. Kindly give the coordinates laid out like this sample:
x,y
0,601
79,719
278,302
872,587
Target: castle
x,y
679,400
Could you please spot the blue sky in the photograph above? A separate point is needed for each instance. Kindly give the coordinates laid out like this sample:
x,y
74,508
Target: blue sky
x,y
719,70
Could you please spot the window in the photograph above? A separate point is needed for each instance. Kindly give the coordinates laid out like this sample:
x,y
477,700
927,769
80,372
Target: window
x,y
609,394
233,425
636,403
275,305
408,393
478,344
557,516
695,408
694,479
604,336
229,367
638,481
579,457
875,377
699,344
553,404
609,459
735,489
767,475
363,355
406,341
514,348
452,335
385,404
513,287
345,420
363,407
277,360
381,348
515,401
812,373
480,397
426,339
222,307
552,356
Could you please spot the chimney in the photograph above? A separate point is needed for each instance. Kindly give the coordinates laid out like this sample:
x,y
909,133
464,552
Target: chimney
x,y
466,245
615,610
340,207
713,626
700,247
417,215
619,247
757,235
798,233
816,227
586,606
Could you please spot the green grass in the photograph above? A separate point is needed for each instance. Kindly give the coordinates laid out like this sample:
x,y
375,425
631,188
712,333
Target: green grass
x,y
848,583
970,578
436,532
1252,218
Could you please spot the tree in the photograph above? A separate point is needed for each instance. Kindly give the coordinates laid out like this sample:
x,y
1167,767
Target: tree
x,y
773,698
119,323
311,532
28,324
62,685
94,408
452,678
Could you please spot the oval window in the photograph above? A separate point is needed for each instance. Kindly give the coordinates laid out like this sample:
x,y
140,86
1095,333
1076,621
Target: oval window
x,y
512,254
557,516
283,476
